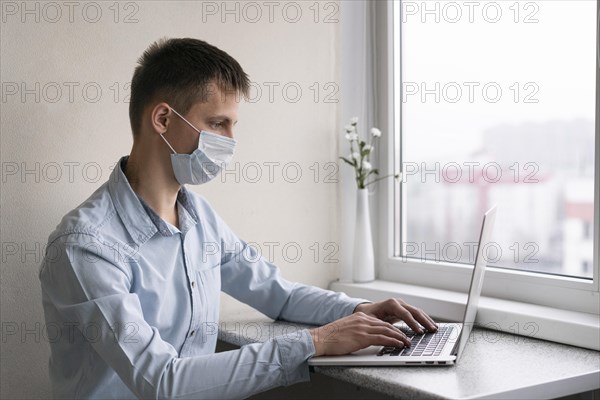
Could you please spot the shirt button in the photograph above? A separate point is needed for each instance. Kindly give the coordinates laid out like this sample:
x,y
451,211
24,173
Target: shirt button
x,y
192,333
193,284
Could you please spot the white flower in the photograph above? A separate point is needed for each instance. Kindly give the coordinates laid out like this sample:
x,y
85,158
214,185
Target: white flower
x,y
368,148
351,136
349,128
366,165
375,132
355,155
354,120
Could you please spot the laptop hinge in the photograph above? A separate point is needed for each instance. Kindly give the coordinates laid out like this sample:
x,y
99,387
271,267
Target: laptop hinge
x,y
455,348
454,351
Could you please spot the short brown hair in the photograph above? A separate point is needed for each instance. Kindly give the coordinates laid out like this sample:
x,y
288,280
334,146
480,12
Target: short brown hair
x,y
179,71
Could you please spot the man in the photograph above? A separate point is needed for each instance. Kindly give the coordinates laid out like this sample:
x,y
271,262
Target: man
x,y
131,278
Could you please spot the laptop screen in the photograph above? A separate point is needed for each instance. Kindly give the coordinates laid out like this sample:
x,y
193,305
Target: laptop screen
x,y
476,279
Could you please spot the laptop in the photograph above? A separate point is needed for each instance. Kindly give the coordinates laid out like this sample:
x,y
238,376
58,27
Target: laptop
x,y
443,347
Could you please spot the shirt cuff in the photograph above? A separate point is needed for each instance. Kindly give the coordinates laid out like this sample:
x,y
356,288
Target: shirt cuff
x,y
294,353
352,303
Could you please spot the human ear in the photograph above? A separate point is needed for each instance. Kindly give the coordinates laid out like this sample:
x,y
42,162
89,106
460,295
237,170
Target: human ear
x,y
160,116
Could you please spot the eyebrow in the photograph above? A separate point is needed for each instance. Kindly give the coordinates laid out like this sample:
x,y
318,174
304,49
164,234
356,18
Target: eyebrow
x,y
221,117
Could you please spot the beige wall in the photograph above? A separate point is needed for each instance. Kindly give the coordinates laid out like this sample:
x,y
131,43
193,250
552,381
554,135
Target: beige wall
x,y
81,134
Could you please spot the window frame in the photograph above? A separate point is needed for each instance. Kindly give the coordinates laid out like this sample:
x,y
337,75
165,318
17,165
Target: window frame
x,y
566,293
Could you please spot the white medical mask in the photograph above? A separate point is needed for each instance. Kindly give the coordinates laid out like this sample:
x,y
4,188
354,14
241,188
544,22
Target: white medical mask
x,y
213,153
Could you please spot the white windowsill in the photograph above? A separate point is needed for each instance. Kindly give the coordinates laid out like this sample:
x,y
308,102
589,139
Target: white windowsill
x,y
495,365
568,327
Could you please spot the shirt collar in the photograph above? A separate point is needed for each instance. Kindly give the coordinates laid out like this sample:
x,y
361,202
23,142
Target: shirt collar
x,y
185,212
139,219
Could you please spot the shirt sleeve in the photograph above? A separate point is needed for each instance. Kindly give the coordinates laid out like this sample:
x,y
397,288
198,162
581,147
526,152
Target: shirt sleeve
x,y
89,288
251,279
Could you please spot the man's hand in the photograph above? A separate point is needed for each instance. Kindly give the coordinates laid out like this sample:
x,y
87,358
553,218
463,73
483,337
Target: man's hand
x,y
370,325
355,332
394,310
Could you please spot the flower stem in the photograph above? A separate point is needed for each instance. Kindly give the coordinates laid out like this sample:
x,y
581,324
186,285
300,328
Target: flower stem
x,y
380,178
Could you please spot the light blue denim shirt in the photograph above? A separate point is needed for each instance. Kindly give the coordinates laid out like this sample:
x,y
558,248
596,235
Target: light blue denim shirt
x,y
131,303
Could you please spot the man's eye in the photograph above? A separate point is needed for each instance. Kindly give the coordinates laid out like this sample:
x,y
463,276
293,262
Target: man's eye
x,y
217,124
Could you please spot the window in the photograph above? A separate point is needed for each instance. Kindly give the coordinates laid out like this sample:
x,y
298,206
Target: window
x,y
494,102
587,230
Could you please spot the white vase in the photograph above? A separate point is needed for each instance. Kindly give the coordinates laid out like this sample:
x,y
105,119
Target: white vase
x,y
363,261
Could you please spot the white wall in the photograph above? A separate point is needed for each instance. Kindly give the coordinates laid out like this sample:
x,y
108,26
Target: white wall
x,y
67,50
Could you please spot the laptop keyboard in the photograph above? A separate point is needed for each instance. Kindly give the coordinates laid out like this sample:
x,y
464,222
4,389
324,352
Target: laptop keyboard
x,y
427,344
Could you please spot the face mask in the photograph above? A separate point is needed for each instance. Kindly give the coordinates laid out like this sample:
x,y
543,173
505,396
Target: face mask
x,y
213,153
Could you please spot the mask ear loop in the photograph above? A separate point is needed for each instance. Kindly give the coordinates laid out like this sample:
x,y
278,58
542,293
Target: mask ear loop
x,y
179,115
188,122
171,147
